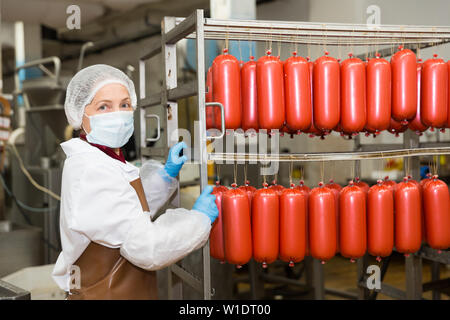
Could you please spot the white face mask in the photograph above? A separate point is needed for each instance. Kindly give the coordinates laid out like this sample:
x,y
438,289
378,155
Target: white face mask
x,y
112,129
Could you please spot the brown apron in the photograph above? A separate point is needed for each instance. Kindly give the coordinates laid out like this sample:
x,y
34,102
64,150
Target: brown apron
x,y
106,275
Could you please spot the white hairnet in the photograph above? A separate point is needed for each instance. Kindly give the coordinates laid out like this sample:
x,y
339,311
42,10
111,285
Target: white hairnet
x,y
85,84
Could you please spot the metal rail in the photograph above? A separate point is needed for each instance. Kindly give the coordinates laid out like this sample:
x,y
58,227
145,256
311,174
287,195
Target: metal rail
x,y
330,156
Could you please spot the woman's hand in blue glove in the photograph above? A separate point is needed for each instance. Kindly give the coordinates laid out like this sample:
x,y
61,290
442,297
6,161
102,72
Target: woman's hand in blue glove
x,y
175,161
206,204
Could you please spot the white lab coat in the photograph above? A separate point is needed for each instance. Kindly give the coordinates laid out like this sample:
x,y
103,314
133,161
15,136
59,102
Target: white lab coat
x,y
98,204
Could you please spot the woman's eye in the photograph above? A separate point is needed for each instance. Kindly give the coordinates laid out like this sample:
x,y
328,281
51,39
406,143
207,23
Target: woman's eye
x,y
125,105
102,108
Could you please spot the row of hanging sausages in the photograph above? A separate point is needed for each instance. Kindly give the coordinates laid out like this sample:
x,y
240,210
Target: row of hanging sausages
x,y
353,96
288,223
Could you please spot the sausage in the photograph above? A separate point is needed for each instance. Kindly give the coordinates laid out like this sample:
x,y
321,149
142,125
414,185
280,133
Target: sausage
x,y
352,222
407,221
336,188
249,95
434,93
216,247
437,213
293,207
404,85
250,191
380,220
322,223
209,111
297,93
364,186
390,183
227,89
305,190
378,94
269,82
326,93
277,187
265,224
237,232
353,95
416,124
396,127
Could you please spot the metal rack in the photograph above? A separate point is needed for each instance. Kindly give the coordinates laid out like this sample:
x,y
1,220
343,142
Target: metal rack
x,y
197,27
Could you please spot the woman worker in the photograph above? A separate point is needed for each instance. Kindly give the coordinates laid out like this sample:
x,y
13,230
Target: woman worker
x,y
110,246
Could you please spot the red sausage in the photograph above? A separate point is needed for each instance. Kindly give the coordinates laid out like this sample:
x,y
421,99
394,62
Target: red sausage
x,y
380,220
434,93
237,232
352,221
437,213
216,247
297,93
353,95
322,223
227,89
292,225
269,81
417,124
390,183
250,192
326,93
249,96
408,218
378,94
265,224
336,188
305,190
396,127
364,186
404,85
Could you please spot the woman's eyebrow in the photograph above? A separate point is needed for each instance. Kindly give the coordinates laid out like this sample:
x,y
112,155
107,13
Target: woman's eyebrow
x,y
126,98
104,100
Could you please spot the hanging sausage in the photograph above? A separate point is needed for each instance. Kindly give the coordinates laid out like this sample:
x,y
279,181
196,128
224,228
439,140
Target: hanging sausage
x,y
297,93
216,246
417,125
378,95
363,185
336,188
209,111
389,183
434,93
304,189
353,95
265,225
408,218
326,93
269,82
396,127
437,213
322,223
237,232
249,95
404,85
352,222
293,207
227,89
250,191
277,187
380,220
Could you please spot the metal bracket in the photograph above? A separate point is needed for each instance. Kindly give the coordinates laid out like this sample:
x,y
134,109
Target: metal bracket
x,y
159,127
222,118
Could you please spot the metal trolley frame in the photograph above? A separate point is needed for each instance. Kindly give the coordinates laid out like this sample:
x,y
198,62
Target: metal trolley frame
x,y
197,27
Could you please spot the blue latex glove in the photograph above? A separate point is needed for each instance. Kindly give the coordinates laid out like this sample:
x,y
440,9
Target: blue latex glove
x,y
206,204
174,161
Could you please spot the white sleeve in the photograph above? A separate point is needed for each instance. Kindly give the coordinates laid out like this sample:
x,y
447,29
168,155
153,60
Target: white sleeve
x,y
155,245
158,185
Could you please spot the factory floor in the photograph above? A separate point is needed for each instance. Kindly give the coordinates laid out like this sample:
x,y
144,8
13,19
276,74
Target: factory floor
x,y
339,274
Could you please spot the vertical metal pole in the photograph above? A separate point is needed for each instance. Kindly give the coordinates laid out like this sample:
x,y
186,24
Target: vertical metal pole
x,y
318,280
435,276
170,123
413,263
202,140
